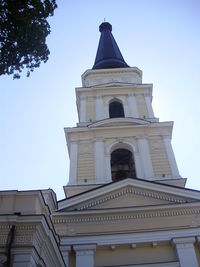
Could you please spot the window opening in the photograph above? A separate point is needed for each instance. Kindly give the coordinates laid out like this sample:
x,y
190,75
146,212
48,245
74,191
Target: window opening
x,y
116,109
122,165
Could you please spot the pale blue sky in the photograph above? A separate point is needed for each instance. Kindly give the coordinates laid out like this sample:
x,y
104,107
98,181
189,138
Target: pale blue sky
x,y
161,37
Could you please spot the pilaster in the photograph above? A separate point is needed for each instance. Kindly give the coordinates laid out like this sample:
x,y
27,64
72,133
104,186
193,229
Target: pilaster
x,y
108,176
82,109
138,165
99,159
186,252
145,157
99,108
126,108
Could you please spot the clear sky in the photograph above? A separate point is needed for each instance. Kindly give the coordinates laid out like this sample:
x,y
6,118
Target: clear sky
x,y
161,37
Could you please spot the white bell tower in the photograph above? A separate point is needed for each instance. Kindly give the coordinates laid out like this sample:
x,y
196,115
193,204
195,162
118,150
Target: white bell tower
x,y
117,136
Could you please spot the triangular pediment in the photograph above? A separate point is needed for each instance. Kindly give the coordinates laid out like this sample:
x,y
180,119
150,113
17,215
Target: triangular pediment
x,y
129,193
118,122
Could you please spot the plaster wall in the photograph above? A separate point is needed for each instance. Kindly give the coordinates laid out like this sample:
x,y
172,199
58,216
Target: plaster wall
x,y
20,202
85,163
138,255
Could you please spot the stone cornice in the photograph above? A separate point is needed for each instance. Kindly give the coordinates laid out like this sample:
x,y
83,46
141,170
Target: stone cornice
x,y
115,86
111,71
149,125
131,121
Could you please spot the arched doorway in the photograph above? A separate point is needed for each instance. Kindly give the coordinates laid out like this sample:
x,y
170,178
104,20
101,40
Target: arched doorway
x,y
122,164
116,109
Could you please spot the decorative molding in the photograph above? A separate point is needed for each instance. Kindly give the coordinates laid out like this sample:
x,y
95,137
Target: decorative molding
x,y
20,227
127,238
128,216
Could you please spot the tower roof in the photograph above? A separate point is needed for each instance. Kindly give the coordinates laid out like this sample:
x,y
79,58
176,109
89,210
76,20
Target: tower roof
x,y
108,53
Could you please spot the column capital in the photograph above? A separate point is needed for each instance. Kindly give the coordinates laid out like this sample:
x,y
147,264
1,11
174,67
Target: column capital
x,y
84,249
131,94
147,95
141,136
184,241
82,98
98,139
64,248
166,136
98,96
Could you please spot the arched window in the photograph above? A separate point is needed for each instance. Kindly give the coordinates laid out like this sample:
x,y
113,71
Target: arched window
x,y
116,109
122,164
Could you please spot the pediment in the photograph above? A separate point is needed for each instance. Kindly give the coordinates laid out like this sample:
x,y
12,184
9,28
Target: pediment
x,y
118,122
128,194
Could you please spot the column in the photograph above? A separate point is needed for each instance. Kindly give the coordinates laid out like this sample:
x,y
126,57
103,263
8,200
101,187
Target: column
x,y
73,163
186,252
65,253
171,157
82,114
99,159
84,255
99,108
133,106
145,157
147,98
108,177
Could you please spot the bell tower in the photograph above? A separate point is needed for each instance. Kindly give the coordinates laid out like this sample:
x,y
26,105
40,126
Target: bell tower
x,y
118,135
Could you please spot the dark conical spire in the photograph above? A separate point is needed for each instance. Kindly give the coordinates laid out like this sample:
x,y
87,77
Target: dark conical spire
x,y
108,53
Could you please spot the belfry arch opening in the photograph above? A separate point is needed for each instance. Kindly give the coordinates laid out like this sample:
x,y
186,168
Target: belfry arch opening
x,y
116,109
122,164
